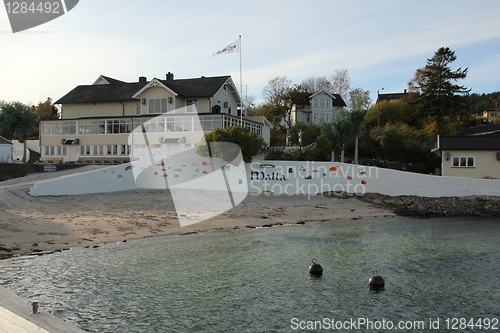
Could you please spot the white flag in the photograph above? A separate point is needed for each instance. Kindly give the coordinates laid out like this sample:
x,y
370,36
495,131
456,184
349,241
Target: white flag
x,y
231,48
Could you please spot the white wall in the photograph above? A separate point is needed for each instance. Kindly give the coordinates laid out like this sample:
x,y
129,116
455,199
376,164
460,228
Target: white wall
x,y
317,177
279,177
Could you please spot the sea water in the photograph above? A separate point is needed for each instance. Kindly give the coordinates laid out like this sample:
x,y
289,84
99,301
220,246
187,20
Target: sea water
x,y
438,273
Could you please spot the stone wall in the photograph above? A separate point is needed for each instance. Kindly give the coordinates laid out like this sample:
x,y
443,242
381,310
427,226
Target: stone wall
x,y
473,206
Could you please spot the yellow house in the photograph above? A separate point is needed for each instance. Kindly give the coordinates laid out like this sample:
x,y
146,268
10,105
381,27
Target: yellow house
x,y
96,120
476,156
492,116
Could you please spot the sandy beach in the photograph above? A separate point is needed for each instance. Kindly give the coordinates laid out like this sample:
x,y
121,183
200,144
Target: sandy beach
x,y
38,224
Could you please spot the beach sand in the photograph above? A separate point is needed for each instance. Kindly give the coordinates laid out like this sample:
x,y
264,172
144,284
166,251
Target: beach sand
x,y
39,224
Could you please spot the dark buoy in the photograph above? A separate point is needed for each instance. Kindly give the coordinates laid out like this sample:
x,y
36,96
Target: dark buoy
x,y
376,282
315,269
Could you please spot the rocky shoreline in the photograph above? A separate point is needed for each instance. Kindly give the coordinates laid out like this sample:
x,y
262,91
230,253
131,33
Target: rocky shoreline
x,y
406,205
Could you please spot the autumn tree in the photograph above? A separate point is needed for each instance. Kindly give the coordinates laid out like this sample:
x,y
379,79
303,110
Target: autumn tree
x,y
46,110
394,112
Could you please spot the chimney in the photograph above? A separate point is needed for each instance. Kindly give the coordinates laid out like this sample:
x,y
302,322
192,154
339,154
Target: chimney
x,y
142,79
170,76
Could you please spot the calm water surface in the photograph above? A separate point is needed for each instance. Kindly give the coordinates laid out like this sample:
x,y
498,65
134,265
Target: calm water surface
x,y
256,280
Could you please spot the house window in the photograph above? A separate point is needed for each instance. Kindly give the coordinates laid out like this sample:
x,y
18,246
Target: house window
x,y
225,90
85,150
55,150
112,150
99,150
463,162
191,105
157,105
138,108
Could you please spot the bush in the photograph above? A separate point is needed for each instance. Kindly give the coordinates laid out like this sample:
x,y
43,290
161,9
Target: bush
x,y
249,142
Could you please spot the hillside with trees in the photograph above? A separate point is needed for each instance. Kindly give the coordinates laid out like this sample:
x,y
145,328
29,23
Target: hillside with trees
x,y
397,135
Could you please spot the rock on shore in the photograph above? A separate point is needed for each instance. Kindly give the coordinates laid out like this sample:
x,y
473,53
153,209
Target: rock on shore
x,y
405,205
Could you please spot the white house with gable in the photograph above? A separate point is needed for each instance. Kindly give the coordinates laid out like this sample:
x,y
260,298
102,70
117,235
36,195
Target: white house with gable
x,y
316,108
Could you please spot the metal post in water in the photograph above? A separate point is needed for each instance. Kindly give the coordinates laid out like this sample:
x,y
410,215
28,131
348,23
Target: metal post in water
x,y
34,305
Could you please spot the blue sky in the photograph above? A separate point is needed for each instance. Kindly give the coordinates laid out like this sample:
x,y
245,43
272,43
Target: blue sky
x,y
380,43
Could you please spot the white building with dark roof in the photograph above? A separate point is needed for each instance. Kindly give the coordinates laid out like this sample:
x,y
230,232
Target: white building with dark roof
x,y
316,108
391,97
475,152
96,119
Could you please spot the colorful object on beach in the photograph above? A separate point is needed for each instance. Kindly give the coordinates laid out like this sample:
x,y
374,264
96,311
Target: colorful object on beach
x,y
315,269
308,177
205,163
333,169
225,167
362,173
178,170
290,170
240,181
130,167
120,176
164,175
363,182
160,164
349,178
267,166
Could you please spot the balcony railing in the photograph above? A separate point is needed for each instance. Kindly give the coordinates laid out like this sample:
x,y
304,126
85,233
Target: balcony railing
x,y
161,124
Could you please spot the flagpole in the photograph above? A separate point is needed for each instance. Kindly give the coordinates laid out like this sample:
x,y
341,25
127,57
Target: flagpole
x,y
241,89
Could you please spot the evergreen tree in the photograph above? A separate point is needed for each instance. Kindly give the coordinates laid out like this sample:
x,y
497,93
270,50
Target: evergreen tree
x,y
439,94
